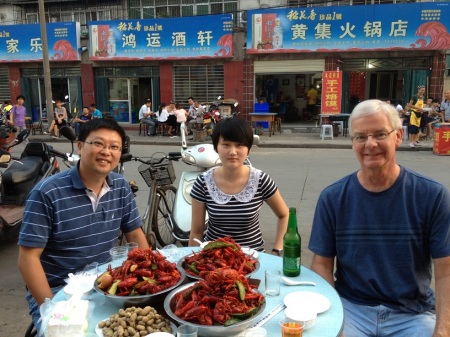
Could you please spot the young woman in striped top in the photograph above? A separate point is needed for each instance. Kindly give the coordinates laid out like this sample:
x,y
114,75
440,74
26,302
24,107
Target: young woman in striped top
x,y
233,193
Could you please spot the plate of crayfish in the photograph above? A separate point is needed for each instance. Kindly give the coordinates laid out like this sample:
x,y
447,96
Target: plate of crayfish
x,y
222,304
144,278
221,253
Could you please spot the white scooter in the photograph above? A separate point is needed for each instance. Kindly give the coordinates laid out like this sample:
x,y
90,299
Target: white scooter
x,y
203,157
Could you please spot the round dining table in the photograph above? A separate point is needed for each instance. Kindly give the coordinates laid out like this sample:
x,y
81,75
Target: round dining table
x,y
328,324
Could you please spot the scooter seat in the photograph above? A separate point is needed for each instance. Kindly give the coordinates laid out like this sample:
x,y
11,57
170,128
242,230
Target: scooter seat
x,y
18,172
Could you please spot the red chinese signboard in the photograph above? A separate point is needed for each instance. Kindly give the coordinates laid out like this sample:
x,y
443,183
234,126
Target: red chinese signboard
x,y
441,144
331,92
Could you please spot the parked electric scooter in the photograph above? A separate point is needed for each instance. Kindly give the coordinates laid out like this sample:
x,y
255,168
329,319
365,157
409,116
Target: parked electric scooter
x,y
37,162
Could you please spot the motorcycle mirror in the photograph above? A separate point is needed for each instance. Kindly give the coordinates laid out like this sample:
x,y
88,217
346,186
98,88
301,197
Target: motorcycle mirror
x,y
68,133
236,104
219,97
66,97
126,157
23,135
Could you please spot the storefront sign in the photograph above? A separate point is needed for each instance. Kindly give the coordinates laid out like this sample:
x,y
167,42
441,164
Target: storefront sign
x,y
178,38
22,43
441,144
415,26
331,92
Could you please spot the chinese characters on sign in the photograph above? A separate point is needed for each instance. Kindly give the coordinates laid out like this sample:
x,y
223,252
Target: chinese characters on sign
x,y
441,145
176,38
19,43
331,92
350,28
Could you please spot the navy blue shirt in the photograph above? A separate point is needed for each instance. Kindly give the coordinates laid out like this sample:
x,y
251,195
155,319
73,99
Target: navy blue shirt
x,y
60,218
384,242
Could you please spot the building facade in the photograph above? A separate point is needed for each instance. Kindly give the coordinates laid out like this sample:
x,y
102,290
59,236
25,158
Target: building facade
x,y
123,51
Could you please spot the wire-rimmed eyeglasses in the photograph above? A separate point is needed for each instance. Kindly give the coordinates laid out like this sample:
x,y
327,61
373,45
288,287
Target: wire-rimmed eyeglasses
x,y
380,135
101,146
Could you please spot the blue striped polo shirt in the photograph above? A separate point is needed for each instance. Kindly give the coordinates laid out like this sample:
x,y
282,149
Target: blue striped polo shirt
x,y
59,217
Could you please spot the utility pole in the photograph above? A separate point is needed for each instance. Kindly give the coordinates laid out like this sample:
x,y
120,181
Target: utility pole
x,y
46,63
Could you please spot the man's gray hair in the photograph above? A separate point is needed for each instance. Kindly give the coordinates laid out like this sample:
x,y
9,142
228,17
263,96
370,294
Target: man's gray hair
x,y
374,106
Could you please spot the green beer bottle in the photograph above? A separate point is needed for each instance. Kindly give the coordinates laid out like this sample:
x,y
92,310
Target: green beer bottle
x,y
292,243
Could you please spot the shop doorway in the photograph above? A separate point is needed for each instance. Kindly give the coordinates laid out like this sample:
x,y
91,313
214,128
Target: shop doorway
x,y
66,89
121,98
382,85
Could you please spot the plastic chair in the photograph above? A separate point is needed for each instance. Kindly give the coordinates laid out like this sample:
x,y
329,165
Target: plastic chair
x,y
341,126
326,131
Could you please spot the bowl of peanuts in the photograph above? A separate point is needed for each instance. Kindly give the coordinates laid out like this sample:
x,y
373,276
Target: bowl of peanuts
x,y
135,320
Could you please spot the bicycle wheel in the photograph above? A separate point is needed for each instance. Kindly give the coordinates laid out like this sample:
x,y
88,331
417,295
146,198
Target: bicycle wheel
x,y
162,225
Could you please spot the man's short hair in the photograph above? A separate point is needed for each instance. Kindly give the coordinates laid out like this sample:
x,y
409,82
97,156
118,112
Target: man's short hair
x,y
100,123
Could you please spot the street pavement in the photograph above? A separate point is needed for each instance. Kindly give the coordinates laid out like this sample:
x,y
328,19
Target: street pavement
x,y
293,135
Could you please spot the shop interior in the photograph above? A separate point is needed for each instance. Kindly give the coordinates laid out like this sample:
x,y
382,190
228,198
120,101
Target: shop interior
x,y
286,94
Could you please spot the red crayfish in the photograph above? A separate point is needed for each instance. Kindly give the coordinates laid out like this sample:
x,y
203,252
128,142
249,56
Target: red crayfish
x,y
224,297
144,272
221,253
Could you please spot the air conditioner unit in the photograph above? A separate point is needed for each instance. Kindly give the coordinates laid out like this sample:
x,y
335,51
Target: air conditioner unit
x,y
243,17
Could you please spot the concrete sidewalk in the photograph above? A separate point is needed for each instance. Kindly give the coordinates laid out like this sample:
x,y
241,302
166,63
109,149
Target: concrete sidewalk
x,y
293,135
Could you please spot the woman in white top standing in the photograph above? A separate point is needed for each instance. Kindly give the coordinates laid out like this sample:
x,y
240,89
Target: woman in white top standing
x,y
181,115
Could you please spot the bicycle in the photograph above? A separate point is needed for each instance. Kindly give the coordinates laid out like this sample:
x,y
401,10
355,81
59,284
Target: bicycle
x,y
159,175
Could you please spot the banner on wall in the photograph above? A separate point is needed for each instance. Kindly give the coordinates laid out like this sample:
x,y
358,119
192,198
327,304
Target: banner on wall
x,y
156,39
415,26
23,43
331,92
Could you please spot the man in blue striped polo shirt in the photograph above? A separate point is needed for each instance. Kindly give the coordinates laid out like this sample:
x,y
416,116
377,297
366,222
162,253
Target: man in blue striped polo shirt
x,y
73,218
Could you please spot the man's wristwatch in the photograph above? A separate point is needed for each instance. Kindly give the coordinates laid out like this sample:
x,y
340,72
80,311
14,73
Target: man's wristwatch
x,y
278,251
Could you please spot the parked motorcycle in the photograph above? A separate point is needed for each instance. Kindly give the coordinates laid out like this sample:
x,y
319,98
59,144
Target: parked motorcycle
x,y
8,136
37,162
224,108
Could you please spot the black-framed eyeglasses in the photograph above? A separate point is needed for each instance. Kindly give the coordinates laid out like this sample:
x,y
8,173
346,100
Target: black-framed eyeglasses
x,y
380,136
101,146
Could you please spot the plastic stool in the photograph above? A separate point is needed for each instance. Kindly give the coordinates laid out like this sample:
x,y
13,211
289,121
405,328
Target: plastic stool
x,y
341,126
405,132
277,126
326,131
141,124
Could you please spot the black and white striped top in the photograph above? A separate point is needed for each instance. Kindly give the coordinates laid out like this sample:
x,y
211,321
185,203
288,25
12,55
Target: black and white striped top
x,y
235,215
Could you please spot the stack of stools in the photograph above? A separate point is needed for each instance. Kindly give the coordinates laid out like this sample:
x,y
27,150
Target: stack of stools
x,y
405,132
326,131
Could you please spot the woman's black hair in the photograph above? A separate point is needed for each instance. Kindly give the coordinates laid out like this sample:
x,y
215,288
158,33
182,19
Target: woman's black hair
x,y
161,107
20,96
100,123
234,130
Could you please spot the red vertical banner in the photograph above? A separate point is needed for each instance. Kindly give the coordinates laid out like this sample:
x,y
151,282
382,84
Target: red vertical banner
x,y
331,92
